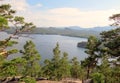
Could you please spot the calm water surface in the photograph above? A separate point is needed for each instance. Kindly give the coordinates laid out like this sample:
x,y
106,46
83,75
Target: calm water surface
x,y
46,43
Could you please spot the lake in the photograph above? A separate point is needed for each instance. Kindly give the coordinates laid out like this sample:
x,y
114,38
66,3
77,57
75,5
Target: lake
x,y
46,43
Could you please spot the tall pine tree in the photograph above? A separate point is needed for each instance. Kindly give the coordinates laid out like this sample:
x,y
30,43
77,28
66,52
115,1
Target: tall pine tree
x,y
32,58
92,50
7,16
58,67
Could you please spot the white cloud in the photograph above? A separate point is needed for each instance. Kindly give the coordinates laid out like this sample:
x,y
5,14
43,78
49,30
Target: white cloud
x,y
38,5
62,16
19,5
74,16
65,11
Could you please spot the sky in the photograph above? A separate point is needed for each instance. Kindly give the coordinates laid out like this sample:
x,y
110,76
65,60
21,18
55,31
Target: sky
x,y
64,13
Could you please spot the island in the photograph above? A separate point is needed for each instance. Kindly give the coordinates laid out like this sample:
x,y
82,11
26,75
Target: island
x,y
82,44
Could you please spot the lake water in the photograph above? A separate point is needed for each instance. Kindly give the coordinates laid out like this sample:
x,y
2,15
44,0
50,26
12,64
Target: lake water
x,y
46,43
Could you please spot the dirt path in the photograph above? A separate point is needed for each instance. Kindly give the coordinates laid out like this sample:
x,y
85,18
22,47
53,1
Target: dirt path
x,y
47,81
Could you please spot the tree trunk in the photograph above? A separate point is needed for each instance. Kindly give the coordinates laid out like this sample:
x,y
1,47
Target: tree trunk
x,y
88,72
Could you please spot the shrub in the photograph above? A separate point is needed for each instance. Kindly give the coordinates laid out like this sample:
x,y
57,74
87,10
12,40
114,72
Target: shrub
x,y
28,80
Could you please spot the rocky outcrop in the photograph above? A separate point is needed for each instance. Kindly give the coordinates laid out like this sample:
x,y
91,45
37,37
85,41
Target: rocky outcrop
x,y
82,44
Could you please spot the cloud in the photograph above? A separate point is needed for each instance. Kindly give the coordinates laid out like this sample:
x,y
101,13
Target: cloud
x,y
20,5
65,11
38,5
76,17
61,16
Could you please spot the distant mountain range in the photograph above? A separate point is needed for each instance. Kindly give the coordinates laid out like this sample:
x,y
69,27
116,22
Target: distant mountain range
x,y
74,31
98,29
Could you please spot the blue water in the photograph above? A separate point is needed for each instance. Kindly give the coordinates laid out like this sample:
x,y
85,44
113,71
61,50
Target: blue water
x,y
46,43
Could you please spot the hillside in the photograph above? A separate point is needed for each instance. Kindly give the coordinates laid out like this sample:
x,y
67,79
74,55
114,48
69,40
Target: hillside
x,y
60,31
74,31
98,29
65,32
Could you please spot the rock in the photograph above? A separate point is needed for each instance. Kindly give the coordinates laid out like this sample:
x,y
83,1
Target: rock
x,y
82,44
41,78
88,81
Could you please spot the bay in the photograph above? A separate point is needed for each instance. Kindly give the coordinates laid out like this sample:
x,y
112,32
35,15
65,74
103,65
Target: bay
x,y
46,43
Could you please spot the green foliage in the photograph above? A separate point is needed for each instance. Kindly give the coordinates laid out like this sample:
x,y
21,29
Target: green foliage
x,y
7,15
12,51
113,43
1,60
76,69
19,20
56,52
47,69
105,48
4,7
111,38
58,67
64,66
116,19
3,23
105,69
105,66
10,68
55,63
15,66
91,49
28,80
4,44
32,58
115,78
98,77
6,11
11,43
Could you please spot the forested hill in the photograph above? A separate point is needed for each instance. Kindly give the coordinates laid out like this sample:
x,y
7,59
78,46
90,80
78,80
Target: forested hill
x,y
73,31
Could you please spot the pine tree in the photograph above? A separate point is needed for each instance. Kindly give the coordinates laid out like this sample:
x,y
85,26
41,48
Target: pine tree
x,y
7,16
112,38
58,67
11,68
92,50
47,69
110,48
32,58
56,62
64,66
105,69
76,69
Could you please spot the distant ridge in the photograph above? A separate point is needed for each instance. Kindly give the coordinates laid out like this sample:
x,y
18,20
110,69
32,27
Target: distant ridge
x,y
98,29
73,31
